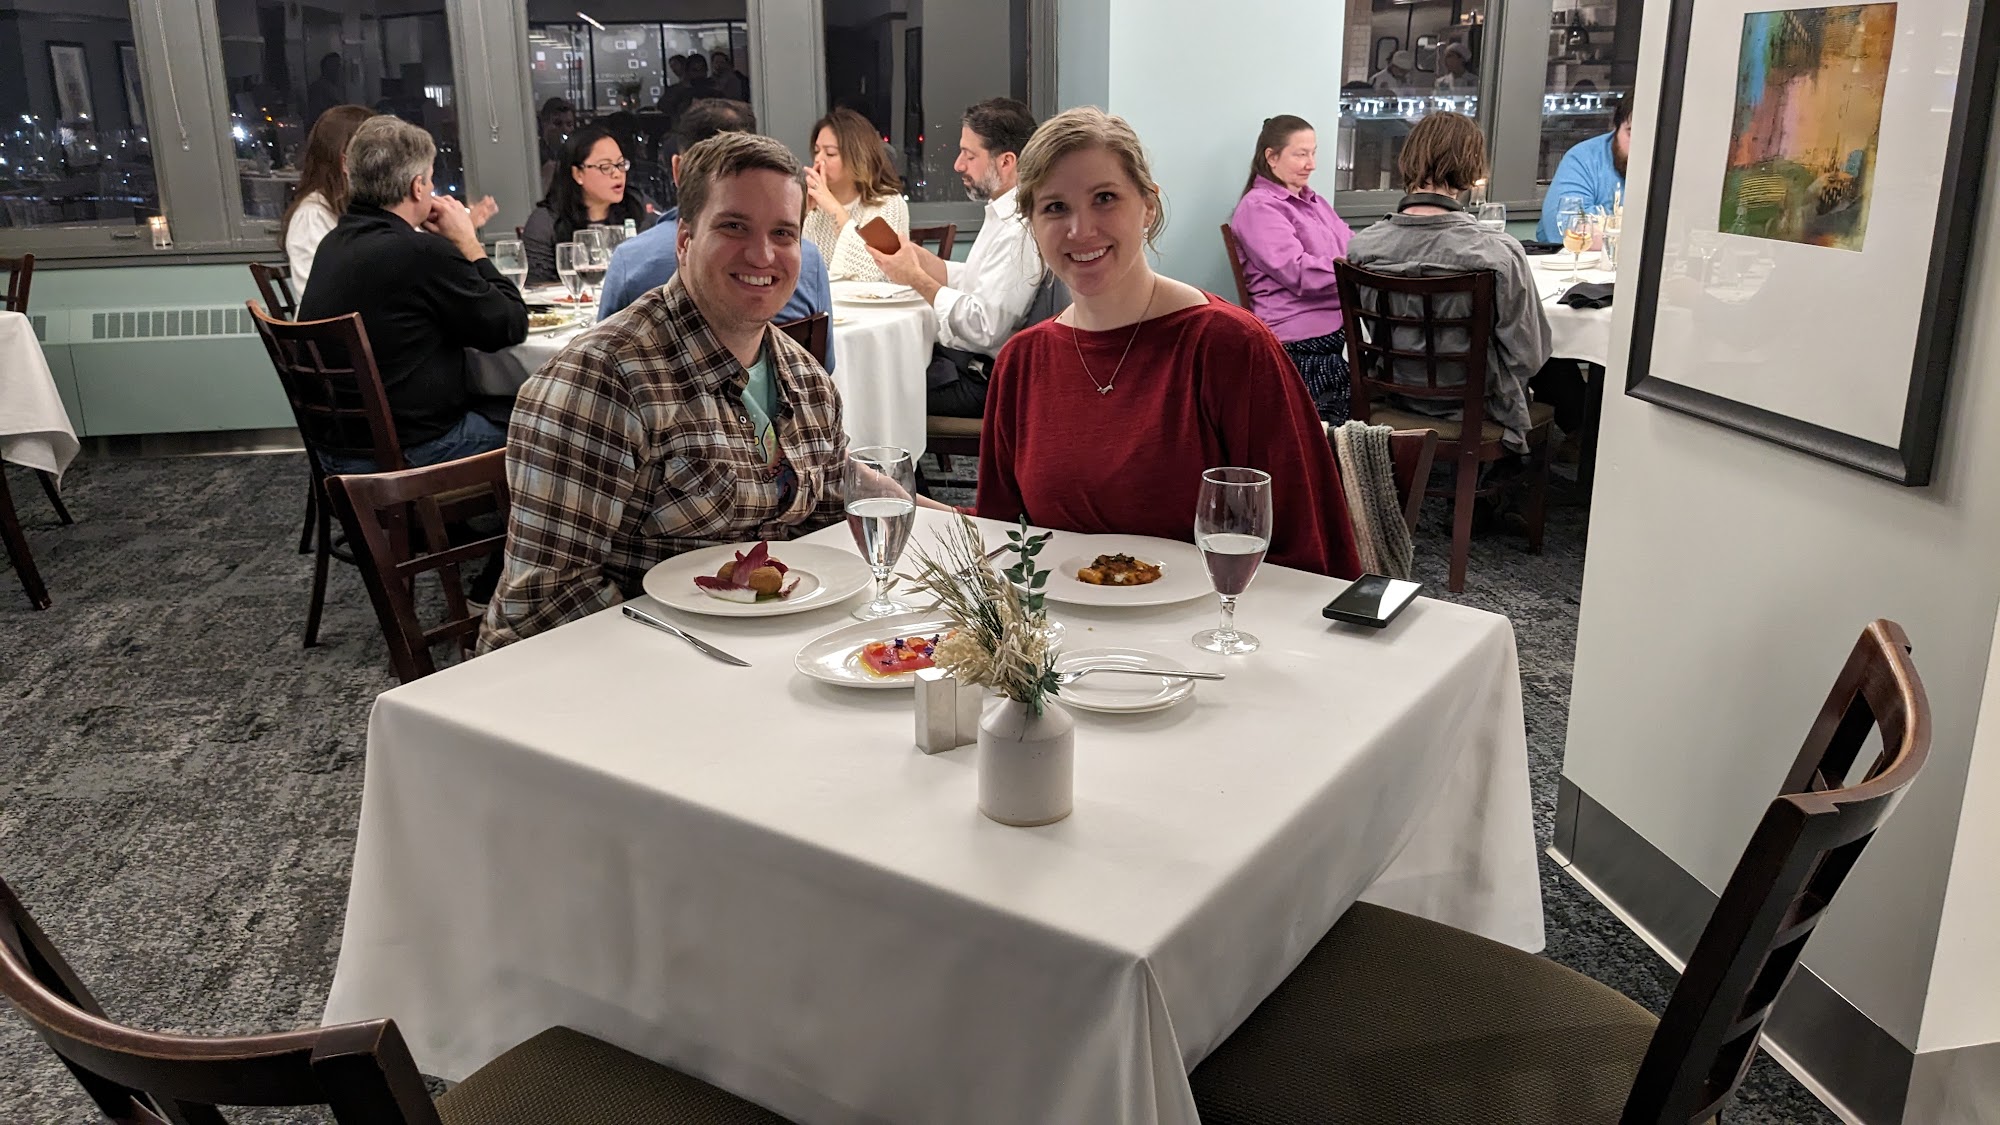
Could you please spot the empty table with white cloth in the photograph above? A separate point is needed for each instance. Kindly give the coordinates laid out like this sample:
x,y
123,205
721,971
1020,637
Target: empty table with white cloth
x,y
1580,334
35,430
757,878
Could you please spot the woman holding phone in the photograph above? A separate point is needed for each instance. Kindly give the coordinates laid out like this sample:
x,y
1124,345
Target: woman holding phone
x,y
848,184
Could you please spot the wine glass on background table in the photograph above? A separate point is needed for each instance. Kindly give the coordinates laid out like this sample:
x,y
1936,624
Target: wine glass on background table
x,y
1576,228
510,257
566,256
1232,526
1493,217
593,258
880,486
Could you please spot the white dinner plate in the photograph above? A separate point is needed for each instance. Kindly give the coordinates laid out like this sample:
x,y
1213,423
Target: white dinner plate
x,y
875,293
570,320
835,657
1121,694
826,577
1182,575
1561,260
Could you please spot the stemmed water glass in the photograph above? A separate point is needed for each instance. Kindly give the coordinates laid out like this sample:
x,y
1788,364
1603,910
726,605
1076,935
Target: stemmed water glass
x,y
1232,526
1493,217
510,257
567,254
880,486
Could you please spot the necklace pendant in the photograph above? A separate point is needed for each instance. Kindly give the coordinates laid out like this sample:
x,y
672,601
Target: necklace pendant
x,y
1104,390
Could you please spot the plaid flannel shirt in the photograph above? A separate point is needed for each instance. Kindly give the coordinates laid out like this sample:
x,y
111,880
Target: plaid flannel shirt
x,y
632,445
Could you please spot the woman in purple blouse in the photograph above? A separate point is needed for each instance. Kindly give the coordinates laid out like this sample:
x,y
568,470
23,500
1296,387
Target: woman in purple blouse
x,y
1290,238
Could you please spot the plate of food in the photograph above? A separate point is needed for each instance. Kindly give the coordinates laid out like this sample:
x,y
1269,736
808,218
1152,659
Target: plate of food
x,y
549,323
1121,693
1126,570
884,653
553,295
758,579
874,292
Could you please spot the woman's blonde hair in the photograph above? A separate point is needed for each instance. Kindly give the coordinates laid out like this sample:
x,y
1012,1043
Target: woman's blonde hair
x,y
1074,130
1444,150
862,153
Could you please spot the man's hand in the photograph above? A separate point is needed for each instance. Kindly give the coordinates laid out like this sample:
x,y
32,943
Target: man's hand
x,y
911,265
483,210
450,218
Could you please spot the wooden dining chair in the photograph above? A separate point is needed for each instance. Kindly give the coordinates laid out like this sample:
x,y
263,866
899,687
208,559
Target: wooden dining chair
x,y
20,279
1433,332
1234,251
18,553
810,333
362,1072
335,391
275,283
436,497
1412,452
1393,1018
945,236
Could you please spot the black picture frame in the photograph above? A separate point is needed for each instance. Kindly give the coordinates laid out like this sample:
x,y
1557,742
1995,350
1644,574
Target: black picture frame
x,y
133,83
1910,462
69,80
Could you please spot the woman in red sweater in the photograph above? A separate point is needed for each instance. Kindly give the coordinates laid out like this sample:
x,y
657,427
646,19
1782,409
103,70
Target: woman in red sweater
x,y
1104,418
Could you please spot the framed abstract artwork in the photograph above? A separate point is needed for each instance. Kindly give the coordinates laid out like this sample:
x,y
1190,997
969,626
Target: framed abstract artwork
x,y
1815,180
135,88
71,76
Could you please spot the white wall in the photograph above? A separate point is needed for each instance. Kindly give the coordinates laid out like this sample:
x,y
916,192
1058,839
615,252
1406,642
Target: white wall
x,y
1176,70
1727,578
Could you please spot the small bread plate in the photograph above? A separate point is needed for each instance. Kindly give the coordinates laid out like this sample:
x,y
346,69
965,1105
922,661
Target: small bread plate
x,y
825,577
1121,694
1182,575
1562,260
835,658
875,293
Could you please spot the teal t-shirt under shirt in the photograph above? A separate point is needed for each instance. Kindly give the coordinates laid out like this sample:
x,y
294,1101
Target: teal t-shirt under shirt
x,y
760,404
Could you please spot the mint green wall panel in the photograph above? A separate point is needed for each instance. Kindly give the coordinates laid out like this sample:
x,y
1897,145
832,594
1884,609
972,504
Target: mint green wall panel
x,y
59,366
178,386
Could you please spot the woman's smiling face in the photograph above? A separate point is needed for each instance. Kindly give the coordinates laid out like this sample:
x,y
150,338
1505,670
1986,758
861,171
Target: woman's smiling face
x,y
1090,221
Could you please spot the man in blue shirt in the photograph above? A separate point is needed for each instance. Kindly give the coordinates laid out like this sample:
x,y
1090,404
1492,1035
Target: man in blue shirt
x,y
1593,171
647,261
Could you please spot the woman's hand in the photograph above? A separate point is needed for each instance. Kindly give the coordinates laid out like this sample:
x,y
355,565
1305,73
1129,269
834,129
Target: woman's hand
x,y
821,196
483,210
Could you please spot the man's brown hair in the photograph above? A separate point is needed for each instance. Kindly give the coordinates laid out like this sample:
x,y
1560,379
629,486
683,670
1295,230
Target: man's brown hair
x,y
732,154
1444,150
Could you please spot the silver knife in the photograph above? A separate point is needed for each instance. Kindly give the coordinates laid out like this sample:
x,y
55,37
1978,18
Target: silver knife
x,y
697,642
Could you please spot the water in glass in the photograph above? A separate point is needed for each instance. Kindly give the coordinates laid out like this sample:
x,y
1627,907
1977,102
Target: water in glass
x,y
879,484
566,256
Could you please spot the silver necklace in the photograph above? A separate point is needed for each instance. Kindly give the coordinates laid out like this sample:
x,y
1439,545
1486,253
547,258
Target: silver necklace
x,y
1074,338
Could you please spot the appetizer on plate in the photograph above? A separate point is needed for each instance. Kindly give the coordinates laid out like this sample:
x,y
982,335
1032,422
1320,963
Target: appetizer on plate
x,y
1118,570
752,576
898,655
542,320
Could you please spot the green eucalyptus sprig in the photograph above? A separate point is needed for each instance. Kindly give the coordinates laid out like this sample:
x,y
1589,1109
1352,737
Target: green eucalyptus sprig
x,y
1001,640
1024,573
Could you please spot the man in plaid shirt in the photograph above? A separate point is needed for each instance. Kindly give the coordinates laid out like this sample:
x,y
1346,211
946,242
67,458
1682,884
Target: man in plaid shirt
x,y
683,421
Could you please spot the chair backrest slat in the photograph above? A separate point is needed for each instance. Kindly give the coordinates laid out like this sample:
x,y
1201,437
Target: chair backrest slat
x,y
1233,250
1450,317
945,235
810,333
20,278
152,1077
1804,847
329,375
275,283
371,506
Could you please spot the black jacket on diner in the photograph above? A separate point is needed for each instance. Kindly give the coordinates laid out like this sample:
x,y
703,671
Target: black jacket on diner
x,y
423,304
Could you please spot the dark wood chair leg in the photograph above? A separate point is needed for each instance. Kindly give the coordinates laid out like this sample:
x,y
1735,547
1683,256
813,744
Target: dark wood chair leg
x,y
322,553
55,497
17,549
312,510
1593,400
1466,475
1538,493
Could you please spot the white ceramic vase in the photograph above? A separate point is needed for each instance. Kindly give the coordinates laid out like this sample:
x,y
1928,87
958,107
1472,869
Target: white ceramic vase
x,y
1026,763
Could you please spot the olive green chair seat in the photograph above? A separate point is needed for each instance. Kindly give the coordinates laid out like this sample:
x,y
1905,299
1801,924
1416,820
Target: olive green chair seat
x,y
564,1077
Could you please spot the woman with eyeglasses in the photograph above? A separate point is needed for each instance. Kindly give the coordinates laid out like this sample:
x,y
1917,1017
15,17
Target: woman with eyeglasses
x,y
592,194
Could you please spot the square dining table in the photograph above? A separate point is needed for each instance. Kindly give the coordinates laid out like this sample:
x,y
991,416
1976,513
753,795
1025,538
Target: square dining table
x,y
757,878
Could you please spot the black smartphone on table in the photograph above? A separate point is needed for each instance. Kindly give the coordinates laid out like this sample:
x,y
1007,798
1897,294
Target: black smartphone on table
x,y
1373,600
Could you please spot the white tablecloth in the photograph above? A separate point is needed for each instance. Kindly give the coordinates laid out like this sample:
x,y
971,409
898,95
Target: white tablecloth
x,y
34,428
880,353
757,878
1580,334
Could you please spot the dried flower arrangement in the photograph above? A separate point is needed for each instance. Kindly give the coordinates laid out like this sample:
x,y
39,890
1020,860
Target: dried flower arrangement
x,y
1001,642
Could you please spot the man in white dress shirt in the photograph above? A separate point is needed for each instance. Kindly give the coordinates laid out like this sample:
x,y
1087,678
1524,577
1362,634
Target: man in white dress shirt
x,y
983,300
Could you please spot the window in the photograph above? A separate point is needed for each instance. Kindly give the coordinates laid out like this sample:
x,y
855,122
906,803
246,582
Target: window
x,y
912,67
75,150
1593,59
286,62
1400,62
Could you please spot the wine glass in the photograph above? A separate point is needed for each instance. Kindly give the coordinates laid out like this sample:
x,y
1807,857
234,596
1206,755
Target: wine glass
x,y
1493,217
510,257
567,254
1232,526
593,258
879,483
1575,227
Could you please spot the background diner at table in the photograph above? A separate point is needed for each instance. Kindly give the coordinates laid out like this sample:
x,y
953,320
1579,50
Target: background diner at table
x,y
588,190
849,184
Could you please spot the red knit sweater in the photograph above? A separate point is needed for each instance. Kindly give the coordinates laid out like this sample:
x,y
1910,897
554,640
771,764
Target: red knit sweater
x,y
1202,387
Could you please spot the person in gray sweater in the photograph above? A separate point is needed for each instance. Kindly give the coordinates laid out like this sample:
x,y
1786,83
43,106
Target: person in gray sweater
x,y
1431,232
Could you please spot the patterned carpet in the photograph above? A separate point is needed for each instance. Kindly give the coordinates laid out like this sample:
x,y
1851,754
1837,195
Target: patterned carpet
x,y
182,780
